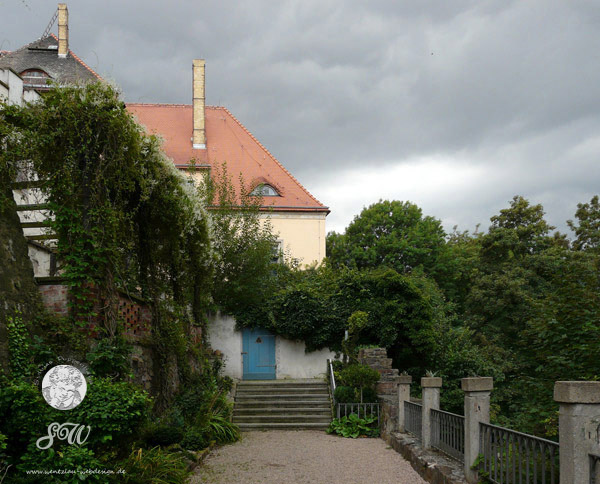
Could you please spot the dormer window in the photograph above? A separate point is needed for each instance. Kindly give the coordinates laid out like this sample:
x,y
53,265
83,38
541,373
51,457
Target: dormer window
x,y
35,78
264,190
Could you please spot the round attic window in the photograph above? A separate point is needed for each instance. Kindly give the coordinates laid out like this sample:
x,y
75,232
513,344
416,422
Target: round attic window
x,y
265,191
35,77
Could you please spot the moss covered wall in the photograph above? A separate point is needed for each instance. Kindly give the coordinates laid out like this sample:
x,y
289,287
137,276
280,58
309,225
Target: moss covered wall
x,y
18,290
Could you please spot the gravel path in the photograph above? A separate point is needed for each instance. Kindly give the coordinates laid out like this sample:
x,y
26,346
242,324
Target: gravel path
x,y
301,457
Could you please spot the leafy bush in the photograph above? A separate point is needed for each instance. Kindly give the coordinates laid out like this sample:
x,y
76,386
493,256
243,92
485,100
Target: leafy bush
x,y
154,466
344,394
194,439
163,435
110,358
114,410
222,429
25,416
353,426
359,376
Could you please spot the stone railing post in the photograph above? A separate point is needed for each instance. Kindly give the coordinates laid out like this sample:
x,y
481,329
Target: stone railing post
x,y
404,382
431,399
477,409
578,427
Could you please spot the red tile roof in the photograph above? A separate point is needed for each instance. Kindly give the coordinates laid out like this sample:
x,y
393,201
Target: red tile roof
x,y
227,140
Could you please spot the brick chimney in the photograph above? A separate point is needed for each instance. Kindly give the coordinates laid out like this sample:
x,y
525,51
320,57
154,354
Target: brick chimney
x,y
63,30
199,136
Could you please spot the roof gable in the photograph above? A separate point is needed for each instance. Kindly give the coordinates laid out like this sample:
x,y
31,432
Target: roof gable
x,y
227,140
43,54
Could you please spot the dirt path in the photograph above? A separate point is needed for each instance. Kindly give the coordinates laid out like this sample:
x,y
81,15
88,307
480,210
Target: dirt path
x,y
301,457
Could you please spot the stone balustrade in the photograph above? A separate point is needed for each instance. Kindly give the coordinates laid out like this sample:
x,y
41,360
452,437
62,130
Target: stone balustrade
x,y
578,459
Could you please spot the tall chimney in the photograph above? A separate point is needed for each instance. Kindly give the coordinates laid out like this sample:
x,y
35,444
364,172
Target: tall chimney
x,y
63,30
199,137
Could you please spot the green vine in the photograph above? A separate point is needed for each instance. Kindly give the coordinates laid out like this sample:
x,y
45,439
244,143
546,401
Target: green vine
x,y
126,220
18,345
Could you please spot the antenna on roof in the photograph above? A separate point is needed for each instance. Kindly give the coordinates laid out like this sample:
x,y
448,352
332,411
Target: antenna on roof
x,y
52,20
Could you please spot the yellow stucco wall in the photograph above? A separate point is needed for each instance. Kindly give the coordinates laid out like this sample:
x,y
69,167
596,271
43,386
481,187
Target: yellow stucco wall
x,y
302,234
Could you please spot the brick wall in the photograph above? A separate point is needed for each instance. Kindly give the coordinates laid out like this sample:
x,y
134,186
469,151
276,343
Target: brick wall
x,y
136,315
54,297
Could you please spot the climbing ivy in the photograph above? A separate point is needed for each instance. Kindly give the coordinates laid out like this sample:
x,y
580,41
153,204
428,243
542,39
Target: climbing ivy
x,y
18,345
125,218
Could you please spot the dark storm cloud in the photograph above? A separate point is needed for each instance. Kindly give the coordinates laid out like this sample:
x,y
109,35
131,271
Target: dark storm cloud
x,y
509,89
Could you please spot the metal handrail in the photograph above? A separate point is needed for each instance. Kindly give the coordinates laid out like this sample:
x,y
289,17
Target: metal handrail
x,y
332,385
413,418
511,457
448,433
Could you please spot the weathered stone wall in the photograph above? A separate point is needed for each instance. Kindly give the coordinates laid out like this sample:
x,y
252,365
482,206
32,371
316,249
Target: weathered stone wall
x,y
387,388
137,320
377,359
54,297
18,291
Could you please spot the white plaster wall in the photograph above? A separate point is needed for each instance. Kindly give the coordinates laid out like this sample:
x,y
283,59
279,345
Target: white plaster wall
x,y
291,360
223,337
40,259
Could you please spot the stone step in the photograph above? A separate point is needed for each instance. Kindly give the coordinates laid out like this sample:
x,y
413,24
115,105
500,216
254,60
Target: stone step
x,y
298,418
266,410
245,427
283,403
281,383
279,396
280,390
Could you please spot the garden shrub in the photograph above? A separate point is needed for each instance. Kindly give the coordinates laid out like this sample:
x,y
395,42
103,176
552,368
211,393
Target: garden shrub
x,y
344,394
25,416
359,376
194,439
163,435
353,426
154,465
222,429
114,410
110,358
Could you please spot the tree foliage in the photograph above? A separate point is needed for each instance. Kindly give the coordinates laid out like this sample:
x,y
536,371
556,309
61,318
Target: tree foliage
x,y
243,242
587,228
389,233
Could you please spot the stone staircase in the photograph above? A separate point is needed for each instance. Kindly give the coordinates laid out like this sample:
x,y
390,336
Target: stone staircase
x,y
282,404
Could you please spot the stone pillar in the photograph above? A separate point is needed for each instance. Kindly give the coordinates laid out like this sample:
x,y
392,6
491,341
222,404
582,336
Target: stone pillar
x,y
477,409
579,428
404,382
431,399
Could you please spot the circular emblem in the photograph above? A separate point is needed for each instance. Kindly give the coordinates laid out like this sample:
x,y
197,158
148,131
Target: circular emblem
x,y
64,387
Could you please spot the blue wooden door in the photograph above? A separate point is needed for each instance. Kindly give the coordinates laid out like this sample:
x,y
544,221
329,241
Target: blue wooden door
x,y
259,354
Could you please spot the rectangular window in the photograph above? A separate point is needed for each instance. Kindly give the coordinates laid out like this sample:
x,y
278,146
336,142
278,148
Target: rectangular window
x,y
277,252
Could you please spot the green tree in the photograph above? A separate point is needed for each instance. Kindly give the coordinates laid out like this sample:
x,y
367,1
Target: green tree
x,y
587,228
245,248
517,231
390,233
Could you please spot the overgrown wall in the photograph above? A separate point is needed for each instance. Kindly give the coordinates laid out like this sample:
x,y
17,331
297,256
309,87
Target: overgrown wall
x,y
18,291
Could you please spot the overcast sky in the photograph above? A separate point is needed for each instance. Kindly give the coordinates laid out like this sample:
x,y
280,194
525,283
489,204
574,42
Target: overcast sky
x,y
454,105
